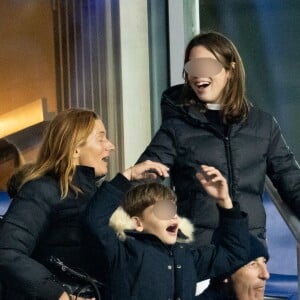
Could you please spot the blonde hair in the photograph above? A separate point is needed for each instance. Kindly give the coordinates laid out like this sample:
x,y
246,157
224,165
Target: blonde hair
x,y
68,130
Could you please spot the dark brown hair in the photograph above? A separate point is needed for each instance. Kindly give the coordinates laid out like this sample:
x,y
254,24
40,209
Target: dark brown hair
x,y
235,104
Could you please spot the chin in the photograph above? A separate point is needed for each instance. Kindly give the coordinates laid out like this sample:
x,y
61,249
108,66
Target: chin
x,y
102,170
101,173
205,100
170,241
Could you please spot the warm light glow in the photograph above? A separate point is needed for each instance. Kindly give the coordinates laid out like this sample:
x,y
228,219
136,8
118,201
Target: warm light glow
x,y
23,117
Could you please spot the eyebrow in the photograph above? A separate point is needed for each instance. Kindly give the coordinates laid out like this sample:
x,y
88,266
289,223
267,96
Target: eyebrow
x,y
259,260
101,133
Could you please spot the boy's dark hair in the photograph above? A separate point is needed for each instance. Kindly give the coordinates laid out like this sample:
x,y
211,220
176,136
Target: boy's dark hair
x,y
143,195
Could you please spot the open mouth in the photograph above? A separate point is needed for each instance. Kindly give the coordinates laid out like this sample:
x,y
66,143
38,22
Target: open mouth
x,y
172,228
105,159
203,84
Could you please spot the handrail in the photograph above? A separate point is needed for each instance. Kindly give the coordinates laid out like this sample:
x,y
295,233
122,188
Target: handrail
x,y
289,217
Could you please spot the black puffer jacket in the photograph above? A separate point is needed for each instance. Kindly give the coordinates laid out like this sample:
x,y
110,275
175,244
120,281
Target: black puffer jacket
x,y
143,268
39,224
245,155
216,294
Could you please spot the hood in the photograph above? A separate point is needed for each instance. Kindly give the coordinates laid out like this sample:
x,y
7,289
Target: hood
x,y
170,100
120,222
172,106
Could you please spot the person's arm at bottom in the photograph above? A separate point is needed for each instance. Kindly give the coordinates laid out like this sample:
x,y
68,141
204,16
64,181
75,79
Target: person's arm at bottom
x,y
231,238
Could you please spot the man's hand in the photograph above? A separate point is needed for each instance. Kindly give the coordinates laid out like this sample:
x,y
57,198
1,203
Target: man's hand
x,y
215,185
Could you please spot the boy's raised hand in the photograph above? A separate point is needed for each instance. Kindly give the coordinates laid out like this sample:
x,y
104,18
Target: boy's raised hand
x,y
215,185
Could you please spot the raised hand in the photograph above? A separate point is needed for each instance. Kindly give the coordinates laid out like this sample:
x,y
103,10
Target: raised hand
x,y
215,185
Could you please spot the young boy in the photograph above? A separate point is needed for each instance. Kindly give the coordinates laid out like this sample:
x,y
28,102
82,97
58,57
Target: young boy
x,y
150,263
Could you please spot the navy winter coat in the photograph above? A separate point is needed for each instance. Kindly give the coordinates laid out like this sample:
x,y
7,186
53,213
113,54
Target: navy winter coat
x,y
220,293
143,268
249,152
39,224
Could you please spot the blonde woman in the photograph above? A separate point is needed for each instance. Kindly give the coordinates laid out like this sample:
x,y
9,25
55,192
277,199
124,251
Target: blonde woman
x,y
45,217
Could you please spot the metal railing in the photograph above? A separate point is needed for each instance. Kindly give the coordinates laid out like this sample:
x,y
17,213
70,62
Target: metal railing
x,y
290,219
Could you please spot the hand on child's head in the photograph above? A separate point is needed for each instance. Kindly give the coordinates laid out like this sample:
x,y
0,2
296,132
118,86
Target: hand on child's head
x,y
147,170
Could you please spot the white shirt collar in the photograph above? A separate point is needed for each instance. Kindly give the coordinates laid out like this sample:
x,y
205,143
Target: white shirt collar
x,y
214,106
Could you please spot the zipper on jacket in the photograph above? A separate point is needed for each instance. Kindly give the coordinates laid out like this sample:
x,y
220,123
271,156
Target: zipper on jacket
x,y
226,140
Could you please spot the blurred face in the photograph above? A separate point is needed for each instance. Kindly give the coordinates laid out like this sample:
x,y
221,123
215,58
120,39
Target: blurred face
x,y
250,280
95,151
161,220
206,76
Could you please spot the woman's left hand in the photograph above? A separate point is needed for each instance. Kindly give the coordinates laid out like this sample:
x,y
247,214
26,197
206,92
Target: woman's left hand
x,y
146,169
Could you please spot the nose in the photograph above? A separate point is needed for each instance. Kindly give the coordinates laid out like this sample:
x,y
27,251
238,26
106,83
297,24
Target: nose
x,y
110,146
264,273
175,216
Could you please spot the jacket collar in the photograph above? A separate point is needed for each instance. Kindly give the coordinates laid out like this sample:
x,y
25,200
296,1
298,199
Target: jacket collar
x,y
148,239
171,108
84,178
123,226
192,114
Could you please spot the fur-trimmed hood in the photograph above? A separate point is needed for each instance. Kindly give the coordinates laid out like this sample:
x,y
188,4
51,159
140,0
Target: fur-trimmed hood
x,y
120,222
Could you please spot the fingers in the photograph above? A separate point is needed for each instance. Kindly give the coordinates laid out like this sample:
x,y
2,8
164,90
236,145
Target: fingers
x,y
157,168
147,169
210,174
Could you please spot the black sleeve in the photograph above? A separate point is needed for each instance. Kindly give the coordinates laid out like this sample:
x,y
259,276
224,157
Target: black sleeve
x,y
162,147
234,212
283,169
230,249
23,224
98,213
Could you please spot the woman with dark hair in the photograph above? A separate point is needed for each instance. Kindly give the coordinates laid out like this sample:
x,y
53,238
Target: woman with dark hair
x,y
44,226
208,120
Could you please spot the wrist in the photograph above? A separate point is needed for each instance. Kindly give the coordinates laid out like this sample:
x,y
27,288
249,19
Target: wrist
x,y
225,203
128,174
